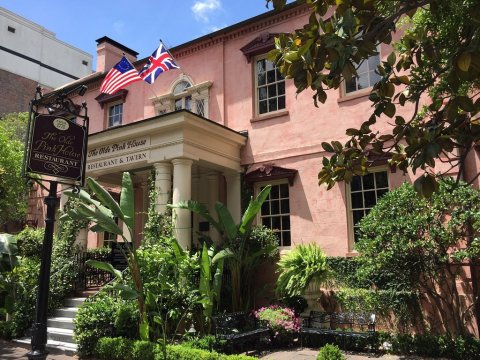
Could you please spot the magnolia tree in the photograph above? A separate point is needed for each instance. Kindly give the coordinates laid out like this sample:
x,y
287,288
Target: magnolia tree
x,y
434,71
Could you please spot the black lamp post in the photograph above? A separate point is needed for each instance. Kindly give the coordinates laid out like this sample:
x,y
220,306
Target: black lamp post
x,y
53,129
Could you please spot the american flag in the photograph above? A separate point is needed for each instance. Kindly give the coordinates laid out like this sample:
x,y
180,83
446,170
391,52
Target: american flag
x,y
159,62
121,75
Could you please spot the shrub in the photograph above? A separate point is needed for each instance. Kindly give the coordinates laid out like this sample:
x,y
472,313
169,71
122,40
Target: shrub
x,y
95,320
6,330
281,320
330,352
30,242
127,320
208,342
114,348
143,350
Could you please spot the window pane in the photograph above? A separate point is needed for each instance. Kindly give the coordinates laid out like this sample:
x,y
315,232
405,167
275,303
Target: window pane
x,y
274,193
268,65
260,66
281,102
266,208
380,193
272,91
357,216
263,107
286,241
281,88
270,76
381,179
284,190
275,206
373,62
279,75
351,85
188,103
276,224
356,183
178,104
368,182
363,82
374,78
285,206
363,67
285,222
266,222
357,200
272,104
370,199
262,93
261,77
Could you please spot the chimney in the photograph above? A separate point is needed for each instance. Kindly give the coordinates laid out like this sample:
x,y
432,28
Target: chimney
x,y
109,52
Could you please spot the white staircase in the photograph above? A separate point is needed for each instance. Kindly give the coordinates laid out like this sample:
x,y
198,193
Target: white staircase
x,y
60,326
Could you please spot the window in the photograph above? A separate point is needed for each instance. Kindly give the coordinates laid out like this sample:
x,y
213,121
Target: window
x,y
275,212
270,87
11,29
366,75
184,95
115,113
110,238
364,193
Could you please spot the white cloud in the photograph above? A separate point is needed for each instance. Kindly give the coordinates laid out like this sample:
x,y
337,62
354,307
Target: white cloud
x,y
118,27
202,9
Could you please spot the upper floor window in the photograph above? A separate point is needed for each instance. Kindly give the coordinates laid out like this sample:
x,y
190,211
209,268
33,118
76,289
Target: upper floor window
x,y
275,212
115,113
185,95
366,75
270,87
365,191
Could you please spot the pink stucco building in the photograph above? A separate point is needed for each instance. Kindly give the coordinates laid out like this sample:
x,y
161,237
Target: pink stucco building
x,y
228,116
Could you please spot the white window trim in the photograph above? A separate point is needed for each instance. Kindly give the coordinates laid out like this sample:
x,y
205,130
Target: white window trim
x,y
166,103
348,193
109,106
268,114
361,92
258,218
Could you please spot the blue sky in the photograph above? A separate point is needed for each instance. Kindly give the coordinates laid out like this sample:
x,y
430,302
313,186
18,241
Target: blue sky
x,y
138,25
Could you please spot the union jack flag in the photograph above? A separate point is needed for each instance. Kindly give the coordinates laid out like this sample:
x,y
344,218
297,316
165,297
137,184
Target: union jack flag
x,y
121,75
159,62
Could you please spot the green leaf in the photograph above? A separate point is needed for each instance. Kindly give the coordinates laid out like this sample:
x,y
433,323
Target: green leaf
x,y
389,110
105,198
253,208
391,59
126,292
197,208
226,221
144,329
327,147
127,202
463,61
106,267
222,255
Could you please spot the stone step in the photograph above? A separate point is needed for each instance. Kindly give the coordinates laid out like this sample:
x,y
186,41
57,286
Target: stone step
x,y
65,347
69,312
59,334
61,322
74,302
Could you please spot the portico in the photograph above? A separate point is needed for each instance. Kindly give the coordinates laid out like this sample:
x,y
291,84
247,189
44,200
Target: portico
x,y
193,158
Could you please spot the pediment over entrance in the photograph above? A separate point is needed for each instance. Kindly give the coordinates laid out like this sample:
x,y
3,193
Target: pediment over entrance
x,y
266,172
180,134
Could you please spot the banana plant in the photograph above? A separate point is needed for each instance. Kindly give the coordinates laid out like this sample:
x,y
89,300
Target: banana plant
x,y
235,238
211,273
100,208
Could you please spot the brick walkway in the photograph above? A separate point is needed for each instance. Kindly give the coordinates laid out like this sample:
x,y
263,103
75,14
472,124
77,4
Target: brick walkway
x,y
10,351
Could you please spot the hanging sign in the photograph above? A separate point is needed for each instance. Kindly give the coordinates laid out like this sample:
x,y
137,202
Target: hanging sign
x,y
57,148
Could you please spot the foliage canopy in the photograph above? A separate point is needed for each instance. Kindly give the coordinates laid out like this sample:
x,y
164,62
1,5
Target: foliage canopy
x,y
433,72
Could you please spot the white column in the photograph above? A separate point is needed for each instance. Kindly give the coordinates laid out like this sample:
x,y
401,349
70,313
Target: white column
x,y
234,200
182,191
195,185
163,185
212,178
